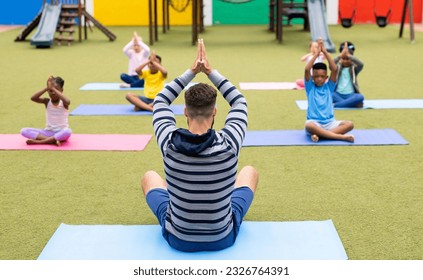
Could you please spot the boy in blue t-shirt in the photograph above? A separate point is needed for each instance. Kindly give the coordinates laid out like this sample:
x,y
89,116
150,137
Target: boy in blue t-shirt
x,y
321,122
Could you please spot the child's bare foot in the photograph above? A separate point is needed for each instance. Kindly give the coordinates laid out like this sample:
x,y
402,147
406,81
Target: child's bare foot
x,y
314,138
136,109
49,140
31,141
349,138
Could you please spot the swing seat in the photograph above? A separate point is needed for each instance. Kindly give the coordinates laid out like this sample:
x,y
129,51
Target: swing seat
x,y
381,21
346,22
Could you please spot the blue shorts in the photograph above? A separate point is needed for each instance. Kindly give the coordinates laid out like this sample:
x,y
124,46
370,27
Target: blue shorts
x,y
158,201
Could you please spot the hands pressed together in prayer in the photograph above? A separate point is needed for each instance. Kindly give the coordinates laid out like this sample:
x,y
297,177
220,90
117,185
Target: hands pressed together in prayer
x,y
201,63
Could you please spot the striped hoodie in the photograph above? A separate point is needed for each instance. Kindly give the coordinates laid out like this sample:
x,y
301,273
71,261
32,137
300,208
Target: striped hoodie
x,y
200,170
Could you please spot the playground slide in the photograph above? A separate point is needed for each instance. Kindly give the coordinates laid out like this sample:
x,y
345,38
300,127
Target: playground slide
x,y
318,23
44,37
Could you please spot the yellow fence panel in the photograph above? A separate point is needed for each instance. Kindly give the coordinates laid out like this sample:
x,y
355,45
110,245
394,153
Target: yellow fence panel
x,y
135,13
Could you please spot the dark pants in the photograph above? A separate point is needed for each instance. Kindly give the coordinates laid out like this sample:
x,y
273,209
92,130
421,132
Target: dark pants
x,y
347,100
134,80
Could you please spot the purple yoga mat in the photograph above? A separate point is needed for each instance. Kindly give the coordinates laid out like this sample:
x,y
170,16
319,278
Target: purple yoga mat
x,y
300,138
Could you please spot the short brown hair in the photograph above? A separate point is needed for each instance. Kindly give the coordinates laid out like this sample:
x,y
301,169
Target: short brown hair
x,y
200,100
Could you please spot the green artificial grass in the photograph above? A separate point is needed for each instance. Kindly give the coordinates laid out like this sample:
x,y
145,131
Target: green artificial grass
x,y
373,194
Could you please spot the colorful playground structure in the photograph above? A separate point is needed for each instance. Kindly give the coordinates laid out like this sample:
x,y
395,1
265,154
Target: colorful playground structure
x,y
382,11
312,12
61,16
315,15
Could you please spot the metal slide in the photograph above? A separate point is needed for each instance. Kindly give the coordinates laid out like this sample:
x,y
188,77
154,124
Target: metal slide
x,y
318,23
44,37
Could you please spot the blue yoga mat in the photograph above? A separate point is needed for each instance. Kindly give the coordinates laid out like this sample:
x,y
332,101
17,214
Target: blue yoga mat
x,y
106,86
305,240
117,110
300,138
114,86
378,104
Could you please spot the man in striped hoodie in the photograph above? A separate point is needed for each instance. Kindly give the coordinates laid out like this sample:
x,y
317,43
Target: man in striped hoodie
x,y
202,201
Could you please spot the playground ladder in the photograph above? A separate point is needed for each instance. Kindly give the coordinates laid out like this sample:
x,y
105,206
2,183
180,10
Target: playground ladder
x,y
67,21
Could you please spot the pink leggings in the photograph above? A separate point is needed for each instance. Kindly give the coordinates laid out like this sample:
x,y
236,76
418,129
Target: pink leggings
x,y
32,133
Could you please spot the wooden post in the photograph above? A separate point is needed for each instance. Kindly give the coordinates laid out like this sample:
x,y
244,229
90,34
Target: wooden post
x,y
404,11
79,21
279,20
85,23
411,16
194,22
167,15
201,15
272,15
408,4
150,22
164,15
156,33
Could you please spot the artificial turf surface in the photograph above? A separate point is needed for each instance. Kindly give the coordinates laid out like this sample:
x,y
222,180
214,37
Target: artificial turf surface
x,y
373,194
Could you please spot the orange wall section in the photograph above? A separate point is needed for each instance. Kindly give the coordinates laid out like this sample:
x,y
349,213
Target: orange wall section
x,y
365,10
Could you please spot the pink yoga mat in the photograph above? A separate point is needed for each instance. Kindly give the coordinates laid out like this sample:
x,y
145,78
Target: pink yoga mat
x,y
268,86
81,142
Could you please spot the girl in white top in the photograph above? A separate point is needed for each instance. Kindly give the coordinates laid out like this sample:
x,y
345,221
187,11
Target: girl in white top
x,y
306,58
137,52
57,129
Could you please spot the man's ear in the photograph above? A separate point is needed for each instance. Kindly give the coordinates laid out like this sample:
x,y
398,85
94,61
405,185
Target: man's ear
x,y
214,111
186,112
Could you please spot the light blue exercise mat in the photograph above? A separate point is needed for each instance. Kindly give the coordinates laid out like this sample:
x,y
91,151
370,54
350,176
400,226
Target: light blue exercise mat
x,y
106,86
378,104
304,240
117,110
114,86
363,137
